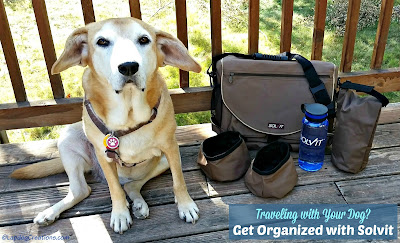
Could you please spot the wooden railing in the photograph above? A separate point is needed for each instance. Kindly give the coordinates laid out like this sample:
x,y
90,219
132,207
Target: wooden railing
x,y
61,110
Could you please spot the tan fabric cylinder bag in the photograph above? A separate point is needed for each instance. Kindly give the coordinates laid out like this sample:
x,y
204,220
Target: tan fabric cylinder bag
x,y
356,121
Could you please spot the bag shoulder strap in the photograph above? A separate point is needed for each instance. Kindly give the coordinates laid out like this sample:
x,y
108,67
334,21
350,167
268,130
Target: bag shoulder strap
x,y
317,87
365,89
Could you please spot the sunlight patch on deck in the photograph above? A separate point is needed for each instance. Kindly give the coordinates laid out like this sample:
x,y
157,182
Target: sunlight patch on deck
x,y
90,229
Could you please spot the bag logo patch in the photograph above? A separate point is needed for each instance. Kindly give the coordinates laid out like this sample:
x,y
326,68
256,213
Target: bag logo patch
x,y
276,125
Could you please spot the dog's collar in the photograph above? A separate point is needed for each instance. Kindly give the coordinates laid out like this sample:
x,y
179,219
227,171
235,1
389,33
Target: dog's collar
x,y
119,133
111,152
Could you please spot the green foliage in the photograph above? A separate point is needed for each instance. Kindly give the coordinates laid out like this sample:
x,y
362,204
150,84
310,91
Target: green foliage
x,y
65,16
193,118
369,14
396,13
337,14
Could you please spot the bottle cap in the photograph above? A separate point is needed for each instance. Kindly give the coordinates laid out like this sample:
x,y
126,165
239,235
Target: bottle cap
x,y
315,112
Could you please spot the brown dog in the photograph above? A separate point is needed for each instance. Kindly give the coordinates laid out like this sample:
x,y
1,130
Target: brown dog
x,y
125,95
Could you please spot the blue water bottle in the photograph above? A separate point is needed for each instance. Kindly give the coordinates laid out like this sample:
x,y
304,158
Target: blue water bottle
x,y
313,137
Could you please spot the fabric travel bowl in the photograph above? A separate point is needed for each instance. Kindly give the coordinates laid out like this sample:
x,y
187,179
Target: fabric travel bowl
x,y
224,157
272,173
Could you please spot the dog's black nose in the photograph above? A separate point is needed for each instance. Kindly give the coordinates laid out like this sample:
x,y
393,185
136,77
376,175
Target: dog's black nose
x,y
128,68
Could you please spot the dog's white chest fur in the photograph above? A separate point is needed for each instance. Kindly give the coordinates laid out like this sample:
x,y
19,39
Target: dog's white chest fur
x,y
127,109
137,147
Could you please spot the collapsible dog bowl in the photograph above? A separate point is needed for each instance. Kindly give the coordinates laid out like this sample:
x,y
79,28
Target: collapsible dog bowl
x,y
272,173
224,157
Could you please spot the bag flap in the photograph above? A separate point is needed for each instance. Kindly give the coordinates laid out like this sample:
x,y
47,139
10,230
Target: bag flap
x,y
266,95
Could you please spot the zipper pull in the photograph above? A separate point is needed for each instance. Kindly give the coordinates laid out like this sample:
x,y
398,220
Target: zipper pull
x,y
231,77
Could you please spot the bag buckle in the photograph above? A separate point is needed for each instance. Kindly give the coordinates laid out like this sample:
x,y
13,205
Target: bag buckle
x,y
212,75
317,88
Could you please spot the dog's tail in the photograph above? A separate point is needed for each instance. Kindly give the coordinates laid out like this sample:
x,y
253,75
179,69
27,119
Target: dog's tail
x,y
39,170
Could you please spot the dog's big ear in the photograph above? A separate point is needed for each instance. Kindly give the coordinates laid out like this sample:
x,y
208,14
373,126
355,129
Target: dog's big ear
x,y
175,53
75,51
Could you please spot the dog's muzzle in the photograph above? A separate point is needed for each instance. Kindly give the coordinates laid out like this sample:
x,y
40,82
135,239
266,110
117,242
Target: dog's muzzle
x,y
131,80
128,68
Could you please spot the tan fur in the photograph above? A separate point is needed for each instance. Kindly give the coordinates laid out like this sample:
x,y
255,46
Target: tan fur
x,y
39,170
154,145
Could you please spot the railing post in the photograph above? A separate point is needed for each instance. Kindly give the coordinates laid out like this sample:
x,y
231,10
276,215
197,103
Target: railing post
x,y
382,33
349,40
286,25
88,11
11,56
134,6
39,7
181,26
216,40
254,23
3,137
319,29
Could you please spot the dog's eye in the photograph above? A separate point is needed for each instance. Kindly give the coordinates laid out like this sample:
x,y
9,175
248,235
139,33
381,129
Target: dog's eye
x,y
144,40
103,42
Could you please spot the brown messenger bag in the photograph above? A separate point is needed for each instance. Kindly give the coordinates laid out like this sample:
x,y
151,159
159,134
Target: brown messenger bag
x,y
260,96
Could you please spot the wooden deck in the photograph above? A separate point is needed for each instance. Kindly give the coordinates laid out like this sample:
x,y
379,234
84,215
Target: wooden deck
x,y
88,221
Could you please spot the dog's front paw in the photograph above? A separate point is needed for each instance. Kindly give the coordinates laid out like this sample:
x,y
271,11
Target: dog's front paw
x,y
188,212
140,209
46,217
121,220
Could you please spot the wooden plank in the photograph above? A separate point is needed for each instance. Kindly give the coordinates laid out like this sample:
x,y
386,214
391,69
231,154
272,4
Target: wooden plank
x,y
349,40
188,158
390,114
382,33
88,11
39,7
181,26
29,152
286,25
319,29
384,80
11,56
157,191
40,113
8,185
387,135
34,151
215,236
214,216
134,6
216,32
194,134
66,111
254,22
382,162
223,236
383,189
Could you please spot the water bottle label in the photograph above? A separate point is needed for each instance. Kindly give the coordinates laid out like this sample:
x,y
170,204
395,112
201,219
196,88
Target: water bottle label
x,y
312,144
316,142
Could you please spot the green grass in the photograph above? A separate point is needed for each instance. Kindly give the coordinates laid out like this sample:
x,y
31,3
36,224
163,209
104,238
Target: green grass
x,y
65,16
